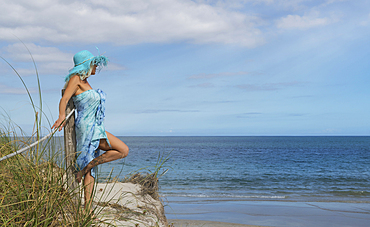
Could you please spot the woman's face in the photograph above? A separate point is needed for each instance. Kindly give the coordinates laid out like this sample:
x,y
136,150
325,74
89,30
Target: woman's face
x,y
93,70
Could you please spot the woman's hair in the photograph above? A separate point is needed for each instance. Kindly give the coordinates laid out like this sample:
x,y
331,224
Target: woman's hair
x,y
82,77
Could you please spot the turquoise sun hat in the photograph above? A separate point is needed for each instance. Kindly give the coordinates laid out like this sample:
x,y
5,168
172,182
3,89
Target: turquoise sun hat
x,y
83,61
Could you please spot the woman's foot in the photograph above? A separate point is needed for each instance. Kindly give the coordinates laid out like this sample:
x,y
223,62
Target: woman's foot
x,y
79,176
91,213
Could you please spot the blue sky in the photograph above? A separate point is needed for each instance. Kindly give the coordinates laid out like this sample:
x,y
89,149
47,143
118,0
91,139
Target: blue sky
x,y
182,68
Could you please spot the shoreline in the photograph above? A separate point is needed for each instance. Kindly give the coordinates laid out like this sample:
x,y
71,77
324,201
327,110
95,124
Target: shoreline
x,y
205,199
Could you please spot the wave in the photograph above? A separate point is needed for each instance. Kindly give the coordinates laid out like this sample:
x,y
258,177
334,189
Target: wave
x,y
226,196
350,193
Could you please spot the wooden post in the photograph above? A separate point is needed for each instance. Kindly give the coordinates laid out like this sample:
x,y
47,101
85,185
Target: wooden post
x,y
70,151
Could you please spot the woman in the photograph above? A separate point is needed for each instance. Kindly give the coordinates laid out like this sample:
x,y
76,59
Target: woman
x,y
90,132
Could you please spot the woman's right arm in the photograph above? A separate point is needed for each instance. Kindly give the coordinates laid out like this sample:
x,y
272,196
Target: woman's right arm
x,y
72,87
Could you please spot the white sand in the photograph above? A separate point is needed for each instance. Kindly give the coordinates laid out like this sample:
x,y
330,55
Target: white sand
x,y
127,206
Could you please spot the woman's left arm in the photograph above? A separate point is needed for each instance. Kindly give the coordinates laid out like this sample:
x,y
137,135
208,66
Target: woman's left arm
x,y
71,89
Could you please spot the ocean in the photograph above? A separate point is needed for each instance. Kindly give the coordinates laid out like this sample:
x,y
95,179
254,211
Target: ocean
x,y
294,168
290,181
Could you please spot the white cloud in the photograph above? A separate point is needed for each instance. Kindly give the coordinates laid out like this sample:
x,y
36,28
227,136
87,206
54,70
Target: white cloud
x,y
235,4
214,75
303,22
126,22
4,89
203,85
366,21
18,52
268,86
328,2
49,60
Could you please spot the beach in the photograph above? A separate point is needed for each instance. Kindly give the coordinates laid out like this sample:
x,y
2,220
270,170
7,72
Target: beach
x,y
197,223
268,213
124,204
180,212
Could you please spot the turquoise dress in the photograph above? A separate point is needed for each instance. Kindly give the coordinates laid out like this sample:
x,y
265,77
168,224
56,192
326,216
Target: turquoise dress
x,y
89,126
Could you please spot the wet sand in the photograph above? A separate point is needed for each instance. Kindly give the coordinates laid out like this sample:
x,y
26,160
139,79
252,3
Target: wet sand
x,y
267,213
197,223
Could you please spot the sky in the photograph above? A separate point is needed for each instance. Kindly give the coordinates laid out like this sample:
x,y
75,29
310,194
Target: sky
x,y
196,68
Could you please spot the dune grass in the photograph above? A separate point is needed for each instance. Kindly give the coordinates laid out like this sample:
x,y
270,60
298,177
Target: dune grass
x,y
33,189
34,193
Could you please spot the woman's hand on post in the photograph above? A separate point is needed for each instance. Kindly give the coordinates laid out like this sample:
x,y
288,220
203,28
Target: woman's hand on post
x,y
58,122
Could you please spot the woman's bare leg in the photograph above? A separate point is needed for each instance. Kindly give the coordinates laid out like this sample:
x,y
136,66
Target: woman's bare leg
x,y
88,189
117,150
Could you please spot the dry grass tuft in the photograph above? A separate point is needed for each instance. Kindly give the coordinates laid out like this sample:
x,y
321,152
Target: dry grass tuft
x,y
148,182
